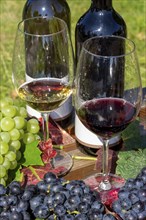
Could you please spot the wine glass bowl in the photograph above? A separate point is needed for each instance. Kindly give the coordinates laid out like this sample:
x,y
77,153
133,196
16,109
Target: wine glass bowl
x,y
107,92
43,69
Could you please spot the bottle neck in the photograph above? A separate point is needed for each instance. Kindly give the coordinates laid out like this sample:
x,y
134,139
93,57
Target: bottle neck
x,y
101,4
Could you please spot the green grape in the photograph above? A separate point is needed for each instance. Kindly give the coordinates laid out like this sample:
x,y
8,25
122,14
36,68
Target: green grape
x,y
11,156
15,144
6,163
28,138
6,101
33,127
23,112
9,111
2,171
1,115
5,136
33,121
6,177
7,124
14,134
2,181
21,133
4,147
18,155
1,159
13,165
19,122
37,137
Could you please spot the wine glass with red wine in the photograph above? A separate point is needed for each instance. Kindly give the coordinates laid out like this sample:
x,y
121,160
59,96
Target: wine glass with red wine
x,y
107,94
43,69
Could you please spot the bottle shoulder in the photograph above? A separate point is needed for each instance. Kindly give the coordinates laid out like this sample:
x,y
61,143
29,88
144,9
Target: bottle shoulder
x,y
45,8
101,22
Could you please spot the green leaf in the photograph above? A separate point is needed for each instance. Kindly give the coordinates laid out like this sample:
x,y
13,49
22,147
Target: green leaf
x,y
133,156
32,155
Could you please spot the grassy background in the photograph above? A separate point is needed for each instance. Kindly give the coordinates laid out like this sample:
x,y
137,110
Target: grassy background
x,y
133,12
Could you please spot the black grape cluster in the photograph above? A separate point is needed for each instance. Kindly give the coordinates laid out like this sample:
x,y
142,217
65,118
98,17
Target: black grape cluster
x,y
131,203
52,198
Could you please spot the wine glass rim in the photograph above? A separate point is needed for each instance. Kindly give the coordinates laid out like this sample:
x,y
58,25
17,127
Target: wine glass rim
x,y
42,17
109,36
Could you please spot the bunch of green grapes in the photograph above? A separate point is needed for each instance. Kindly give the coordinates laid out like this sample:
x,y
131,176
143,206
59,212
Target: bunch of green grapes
x,y
15,130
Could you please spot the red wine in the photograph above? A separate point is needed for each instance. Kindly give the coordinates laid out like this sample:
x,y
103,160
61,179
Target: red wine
x,y
106,116
45,94
99,20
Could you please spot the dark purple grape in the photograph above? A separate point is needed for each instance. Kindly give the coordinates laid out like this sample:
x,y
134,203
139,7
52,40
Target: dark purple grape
x,y
27,195
68,217
94,214
5,213
3,190
3,202
142,194
131,215
22,206
84,207
108,217
26,215
123,194
81,216
41,211
16,216
59,198
142,215
138,207
138,183
76,190
15,190
50,178
42,186
49,201
116,206
12,200
88,198
60,210
129,184
134,197
143,171
126,204
98,205
36,201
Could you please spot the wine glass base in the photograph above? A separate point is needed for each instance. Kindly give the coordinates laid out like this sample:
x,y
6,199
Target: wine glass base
x,y
108,192
62,163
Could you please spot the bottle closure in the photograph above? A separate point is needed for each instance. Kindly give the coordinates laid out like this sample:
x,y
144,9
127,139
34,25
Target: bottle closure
x,y
101,4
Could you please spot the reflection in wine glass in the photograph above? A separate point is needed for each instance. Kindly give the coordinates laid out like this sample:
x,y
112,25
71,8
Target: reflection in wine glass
x,y
107,93
43,69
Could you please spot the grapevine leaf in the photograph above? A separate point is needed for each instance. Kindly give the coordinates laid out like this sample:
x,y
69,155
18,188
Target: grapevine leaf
x,y
32,155
133,156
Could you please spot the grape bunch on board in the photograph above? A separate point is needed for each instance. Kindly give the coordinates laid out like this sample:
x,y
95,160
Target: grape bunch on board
x,y
15,131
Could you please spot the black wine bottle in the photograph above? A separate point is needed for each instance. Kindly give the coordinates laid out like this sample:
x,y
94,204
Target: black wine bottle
x,y
99,20
50,8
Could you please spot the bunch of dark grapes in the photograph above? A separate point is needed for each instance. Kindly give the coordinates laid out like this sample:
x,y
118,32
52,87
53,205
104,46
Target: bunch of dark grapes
x,y
52,198
131,202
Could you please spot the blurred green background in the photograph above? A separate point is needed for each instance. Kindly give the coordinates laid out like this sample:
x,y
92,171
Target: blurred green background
x,y
133,12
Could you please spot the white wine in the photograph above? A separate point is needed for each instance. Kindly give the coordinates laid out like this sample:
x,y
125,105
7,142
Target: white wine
x,y
45,94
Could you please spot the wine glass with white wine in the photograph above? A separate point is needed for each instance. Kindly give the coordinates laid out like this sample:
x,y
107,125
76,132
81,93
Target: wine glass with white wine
x,y
43,69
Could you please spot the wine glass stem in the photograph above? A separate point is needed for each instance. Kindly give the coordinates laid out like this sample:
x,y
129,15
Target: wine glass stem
x,y
105,184
45,117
